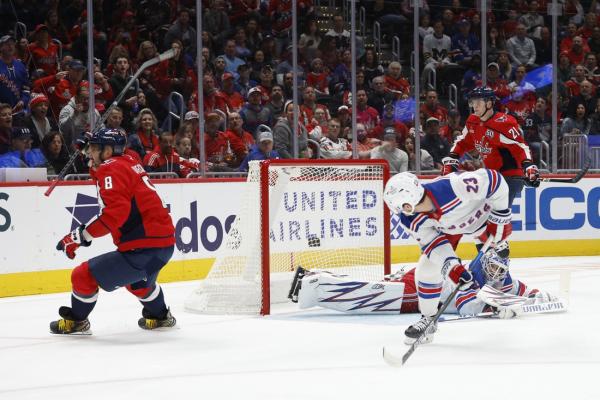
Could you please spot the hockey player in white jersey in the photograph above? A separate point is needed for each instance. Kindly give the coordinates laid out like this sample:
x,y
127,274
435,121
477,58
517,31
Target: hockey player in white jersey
x,y
473,203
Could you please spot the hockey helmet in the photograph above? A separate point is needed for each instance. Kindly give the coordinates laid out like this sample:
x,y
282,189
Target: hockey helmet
x,y
482,92
403,188
494,267
110,137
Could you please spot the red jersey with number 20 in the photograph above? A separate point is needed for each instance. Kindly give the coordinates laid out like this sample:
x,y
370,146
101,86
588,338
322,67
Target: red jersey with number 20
x,y
499,141
130,208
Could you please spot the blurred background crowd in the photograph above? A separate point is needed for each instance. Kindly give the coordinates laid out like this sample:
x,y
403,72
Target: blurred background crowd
x,y
247,79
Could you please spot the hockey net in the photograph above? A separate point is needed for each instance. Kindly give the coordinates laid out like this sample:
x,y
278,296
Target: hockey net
x,y
322,214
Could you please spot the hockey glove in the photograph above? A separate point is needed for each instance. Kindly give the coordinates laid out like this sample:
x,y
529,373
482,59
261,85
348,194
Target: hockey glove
x,y
460,277
532,174
539,296
71,242
498,225
449,165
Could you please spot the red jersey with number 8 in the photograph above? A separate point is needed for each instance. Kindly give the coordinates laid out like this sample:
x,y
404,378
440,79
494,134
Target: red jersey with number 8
x,y
499,141
130,208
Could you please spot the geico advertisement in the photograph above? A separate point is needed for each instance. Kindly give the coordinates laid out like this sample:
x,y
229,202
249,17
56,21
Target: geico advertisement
x,y
334,212
554,211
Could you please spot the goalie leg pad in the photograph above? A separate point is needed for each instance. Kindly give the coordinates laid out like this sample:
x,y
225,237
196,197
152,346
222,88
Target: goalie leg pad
x,y
340,293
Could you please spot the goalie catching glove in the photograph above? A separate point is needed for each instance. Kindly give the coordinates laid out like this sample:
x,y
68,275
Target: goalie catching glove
x,y
72,241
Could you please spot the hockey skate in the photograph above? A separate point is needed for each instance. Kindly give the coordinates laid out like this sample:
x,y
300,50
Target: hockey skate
x,y
296,284
67,325
150,322
417,329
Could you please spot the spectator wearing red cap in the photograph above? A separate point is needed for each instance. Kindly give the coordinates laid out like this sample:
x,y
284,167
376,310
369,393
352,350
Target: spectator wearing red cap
x,y
36,119
240,140
44,53
235,101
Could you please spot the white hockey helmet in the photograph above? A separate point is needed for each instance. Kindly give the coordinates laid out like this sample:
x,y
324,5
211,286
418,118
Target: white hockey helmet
x,y
403,188
494,267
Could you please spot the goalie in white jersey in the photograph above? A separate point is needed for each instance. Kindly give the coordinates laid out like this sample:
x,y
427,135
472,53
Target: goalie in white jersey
x,y
436,214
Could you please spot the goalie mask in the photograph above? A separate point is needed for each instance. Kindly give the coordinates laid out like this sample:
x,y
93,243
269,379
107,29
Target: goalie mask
x,y
403,188
495,267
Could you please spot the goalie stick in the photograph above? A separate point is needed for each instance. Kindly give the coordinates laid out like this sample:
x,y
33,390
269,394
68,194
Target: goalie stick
x,y
389,357
159,58
523,309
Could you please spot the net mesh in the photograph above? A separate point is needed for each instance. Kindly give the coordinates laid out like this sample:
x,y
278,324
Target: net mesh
x,y
321,217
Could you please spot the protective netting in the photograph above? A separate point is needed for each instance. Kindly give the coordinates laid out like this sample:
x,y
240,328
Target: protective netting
x,y
321,216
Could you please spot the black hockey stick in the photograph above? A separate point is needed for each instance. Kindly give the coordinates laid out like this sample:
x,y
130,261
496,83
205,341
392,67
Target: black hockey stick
x,y
575,179
393,361
155,60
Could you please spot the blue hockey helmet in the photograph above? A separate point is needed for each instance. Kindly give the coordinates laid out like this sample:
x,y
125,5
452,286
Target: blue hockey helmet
x,y
494,267
110,137
482,92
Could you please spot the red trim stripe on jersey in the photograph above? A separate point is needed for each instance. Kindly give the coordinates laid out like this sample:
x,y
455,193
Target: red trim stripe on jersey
x,y
465,298
494,182
451,205
417,222
439,241
507,288
429,290
522,288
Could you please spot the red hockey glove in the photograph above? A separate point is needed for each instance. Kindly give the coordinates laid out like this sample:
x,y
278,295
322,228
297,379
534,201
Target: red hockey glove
x,y
499,225
532,174
71,242
449,165
460,277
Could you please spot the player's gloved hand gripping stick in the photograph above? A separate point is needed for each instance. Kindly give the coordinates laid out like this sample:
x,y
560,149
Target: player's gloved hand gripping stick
x,y
81,149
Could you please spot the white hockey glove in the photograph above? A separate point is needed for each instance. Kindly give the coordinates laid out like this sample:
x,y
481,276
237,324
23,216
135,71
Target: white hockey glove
x,y
540,296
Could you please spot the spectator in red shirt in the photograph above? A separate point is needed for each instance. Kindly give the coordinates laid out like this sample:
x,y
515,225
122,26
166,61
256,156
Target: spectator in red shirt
x,y
497,84
395,83
240,140
318,78
266,83
215,142
235,101
574,84
567,42
388,120
43,52
364,113
454,124
213,98
578,50
309,105
433,108
164,158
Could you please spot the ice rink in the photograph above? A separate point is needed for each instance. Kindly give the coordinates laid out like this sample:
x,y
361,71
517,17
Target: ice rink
x,y
311,354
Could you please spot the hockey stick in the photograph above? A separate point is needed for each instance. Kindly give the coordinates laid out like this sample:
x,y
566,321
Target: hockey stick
x,y
155,60
393,361
575,179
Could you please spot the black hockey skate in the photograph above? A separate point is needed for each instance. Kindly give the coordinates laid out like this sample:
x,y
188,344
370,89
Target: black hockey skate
x,y
150,322
415,331
296,284
67,325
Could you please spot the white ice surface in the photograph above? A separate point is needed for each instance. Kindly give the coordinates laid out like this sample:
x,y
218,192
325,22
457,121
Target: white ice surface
x,y
312,354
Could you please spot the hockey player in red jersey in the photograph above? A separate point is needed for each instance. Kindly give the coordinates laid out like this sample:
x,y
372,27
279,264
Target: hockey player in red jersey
x,y
498,139
141,228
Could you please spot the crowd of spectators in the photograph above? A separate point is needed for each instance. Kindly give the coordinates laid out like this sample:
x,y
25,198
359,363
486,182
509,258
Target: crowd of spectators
x,y
248,79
